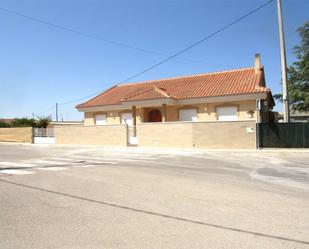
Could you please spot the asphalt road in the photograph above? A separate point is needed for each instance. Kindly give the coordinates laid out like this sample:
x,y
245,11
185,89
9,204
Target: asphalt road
x,y
88,197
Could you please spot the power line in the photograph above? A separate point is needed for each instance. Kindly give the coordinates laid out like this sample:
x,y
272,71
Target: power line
x,y
181,51
47,110
178,53
198,42
95,37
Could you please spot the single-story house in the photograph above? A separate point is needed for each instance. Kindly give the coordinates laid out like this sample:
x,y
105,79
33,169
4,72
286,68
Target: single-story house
x,y
239,94
297,116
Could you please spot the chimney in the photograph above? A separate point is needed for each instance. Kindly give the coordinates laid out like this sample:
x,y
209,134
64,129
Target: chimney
x,y
258,65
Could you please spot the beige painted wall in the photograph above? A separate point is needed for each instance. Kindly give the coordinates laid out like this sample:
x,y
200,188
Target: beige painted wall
x,y
206,112
112,117
107,135
211,135
20,134
224,135
165,134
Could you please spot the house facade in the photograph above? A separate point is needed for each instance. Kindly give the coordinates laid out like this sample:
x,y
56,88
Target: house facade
x,y
233,95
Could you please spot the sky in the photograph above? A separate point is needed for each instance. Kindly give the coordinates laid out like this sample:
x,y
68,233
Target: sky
x,y
41,65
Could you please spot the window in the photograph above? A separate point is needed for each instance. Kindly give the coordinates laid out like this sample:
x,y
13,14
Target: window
x,y
126,118
188,115
228,113
100,119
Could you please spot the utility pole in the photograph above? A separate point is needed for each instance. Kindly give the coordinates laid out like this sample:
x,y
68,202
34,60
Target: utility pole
x,y
57,112
33,115
285,94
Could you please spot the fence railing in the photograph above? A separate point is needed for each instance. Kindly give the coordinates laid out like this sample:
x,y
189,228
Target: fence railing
x,y
43,132
283,135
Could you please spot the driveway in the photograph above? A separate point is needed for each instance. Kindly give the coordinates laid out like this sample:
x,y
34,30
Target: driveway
x,y
91,197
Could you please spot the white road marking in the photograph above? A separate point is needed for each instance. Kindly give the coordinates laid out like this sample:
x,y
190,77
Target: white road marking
x,y
16,172
114,159
53,168
49,162
85,166
15,164
60,159
254,175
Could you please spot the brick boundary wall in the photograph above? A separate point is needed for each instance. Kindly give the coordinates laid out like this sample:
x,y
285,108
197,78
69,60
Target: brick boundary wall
x,y
18,134
105,135
211,135
208,135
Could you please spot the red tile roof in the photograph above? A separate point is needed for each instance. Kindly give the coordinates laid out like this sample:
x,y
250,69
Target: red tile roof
x,y
233,82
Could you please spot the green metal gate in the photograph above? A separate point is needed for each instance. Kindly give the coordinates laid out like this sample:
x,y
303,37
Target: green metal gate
x,y
283,135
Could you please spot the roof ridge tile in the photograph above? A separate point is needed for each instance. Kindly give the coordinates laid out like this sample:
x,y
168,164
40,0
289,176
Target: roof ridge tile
x,y
185,76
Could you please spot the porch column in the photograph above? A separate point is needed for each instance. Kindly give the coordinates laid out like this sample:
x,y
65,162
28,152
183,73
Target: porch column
x,y
134,120
164,113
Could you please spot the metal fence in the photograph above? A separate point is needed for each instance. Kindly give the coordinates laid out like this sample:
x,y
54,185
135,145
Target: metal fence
x,y
43,132
283,135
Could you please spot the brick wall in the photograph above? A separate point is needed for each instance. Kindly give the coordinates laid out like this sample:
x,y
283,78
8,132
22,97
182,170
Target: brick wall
x,y
165,134
107,135
20,134
211,135
224,135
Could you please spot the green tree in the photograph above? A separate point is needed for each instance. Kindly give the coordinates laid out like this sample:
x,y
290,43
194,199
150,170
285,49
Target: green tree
x,y
24,122
43,122
4,124
298,74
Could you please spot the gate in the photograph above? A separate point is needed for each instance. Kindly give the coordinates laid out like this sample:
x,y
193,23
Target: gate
x,y
283,135
131,135
44,135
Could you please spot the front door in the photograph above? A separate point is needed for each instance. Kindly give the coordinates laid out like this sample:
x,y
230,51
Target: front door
x,y
155,116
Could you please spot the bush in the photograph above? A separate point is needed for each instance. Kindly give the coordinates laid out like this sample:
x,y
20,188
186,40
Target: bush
x,y
41,122
24,122
4,124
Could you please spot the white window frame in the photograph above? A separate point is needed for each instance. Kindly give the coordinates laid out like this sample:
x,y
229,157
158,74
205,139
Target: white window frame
x,y
192,119
101,121
227,117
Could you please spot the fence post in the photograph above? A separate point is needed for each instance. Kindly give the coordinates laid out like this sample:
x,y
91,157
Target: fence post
x,y
304,137
128,135
32,133
257,136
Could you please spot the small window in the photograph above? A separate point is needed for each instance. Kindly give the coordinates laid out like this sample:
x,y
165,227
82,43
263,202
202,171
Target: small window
x,y
228,113
188,115
126,118
100,119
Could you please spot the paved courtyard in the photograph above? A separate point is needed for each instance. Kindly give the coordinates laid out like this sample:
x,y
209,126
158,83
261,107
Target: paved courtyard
x,y
91,197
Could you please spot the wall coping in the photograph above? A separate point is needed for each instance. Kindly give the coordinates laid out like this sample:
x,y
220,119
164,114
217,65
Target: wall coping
x,y
160,123
76,126
198,122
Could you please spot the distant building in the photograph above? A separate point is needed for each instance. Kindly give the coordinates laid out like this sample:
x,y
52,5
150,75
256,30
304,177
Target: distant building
x,y
299,116
7,120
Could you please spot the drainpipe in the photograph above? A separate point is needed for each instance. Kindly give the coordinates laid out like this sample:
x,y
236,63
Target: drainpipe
x,y
258,121
134,120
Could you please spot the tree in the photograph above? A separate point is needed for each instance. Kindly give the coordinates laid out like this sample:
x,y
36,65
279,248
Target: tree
x,y
298,74
24,122
4,124
43,122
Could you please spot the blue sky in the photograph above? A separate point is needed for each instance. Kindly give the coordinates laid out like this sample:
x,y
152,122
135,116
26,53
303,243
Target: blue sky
x,y
41,65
